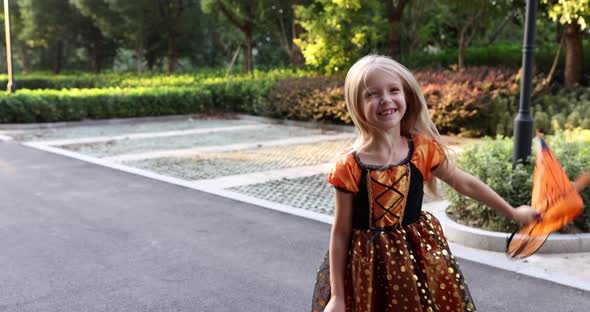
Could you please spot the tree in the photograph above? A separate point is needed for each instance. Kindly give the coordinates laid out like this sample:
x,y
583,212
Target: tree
x,y
572,14
49,24
466,18
100,50
127,22
139,24
284,28
245,15
336,33
394,17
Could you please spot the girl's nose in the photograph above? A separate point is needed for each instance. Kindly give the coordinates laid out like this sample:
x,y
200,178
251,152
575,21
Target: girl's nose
x,y
386,99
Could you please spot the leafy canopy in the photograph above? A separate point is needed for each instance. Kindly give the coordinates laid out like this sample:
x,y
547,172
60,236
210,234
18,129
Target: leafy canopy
x,y
569,11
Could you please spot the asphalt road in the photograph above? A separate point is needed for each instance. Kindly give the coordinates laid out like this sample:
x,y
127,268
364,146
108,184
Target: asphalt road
x,y
80,237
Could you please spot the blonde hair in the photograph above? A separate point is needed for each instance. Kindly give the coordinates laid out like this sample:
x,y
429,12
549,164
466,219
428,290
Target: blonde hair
x,y
416,118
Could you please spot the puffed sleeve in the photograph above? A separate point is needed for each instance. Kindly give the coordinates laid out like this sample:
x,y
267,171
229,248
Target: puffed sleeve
x,y
436,154
345,175
429,155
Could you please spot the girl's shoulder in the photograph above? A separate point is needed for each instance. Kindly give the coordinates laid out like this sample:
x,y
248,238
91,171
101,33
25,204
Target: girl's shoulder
x,y
345,174
428,154
346,158
421,139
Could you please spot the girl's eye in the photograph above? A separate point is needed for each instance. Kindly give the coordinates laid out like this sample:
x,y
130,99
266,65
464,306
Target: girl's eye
x,y
393,90
371,94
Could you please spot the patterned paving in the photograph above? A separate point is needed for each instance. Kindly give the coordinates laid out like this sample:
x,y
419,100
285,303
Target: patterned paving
x,y
212,165
118,147
311,193
118,129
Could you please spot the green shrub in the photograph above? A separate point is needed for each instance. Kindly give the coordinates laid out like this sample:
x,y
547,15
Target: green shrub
x,y
463,101
77,104
36,81
474,101
491,161
314,98
509,55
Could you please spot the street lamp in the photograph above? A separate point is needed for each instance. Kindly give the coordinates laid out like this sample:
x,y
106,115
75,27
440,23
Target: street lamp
x,y
11,87
523,124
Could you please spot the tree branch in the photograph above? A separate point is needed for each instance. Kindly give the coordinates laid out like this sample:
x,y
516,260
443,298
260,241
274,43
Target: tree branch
x,y
233,18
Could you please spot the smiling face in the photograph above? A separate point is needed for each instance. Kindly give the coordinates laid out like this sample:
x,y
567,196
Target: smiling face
x,y
383,100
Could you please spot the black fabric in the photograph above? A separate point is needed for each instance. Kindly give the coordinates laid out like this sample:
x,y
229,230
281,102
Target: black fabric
x,y
415,196
360,215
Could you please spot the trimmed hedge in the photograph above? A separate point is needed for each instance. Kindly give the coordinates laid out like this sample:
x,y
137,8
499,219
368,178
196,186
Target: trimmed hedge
x,y
491,161
509,55
76,104
37,81
475,101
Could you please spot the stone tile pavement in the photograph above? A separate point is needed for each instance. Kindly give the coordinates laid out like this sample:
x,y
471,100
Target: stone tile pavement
x,y
240,158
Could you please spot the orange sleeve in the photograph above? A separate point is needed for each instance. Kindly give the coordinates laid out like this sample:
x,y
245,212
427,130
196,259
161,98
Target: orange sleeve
x,y
428,155
345,175
437,155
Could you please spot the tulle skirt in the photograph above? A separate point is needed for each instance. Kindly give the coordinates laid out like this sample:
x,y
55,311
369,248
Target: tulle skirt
x,y
402,269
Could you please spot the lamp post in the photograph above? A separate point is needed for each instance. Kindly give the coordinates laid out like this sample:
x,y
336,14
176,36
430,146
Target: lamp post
x,y
523,124
11,87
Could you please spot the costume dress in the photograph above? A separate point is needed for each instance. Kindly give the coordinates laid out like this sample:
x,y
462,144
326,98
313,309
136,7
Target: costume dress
x,y
398,259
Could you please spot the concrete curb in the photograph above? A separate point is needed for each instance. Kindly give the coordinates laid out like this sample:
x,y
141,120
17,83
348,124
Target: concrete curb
x,y
132,120
92,122
496,241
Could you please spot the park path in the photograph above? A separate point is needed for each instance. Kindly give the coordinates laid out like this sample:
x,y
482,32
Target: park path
x,y
79,234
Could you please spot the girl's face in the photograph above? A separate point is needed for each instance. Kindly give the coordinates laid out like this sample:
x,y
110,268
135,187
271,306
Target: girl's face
x,y
383,100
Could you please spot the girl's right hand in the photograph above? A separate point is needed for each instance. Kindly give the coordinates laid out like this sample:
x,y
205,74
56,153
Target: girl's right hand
x,y
336,304
525,215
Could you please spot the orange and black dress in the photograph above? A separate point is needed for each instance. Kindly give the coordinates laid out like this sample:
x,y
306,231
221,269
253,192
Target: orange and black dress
x,y
398,259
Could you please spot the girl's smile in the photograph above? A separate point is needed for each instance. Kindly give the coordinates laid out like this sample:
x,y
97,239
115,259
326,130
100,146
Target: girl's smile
x,y
384,103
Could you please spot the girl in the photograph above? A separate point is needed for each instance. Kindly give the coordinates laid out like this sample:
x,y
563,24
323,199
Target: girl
x,y
385,253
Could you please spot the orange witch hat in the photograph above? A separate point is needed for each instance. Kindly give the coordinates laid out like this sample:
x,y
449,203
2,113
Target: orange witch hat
x,y
554,196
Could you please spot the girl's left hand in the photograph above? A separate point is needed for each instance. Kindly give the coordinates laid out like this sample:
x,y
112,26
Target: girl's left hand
x,y
526,214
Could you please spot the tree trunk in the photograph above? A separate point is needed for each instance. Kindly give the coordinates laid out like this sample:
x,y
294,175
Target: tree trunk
x,y
248,51
24,53
394,40
96,47
97,60
246,26
59,57
394,16
172,52
461,50
139,57
574,56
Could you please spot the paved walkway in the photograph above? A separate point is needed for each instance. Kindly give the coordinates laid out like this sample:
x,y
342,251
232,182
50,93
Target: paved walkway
x,y
281,167
81,237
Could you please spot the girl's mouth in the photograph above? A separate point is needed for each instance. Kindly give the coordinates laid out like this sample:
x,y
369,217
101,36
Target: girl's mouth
x,y
387,112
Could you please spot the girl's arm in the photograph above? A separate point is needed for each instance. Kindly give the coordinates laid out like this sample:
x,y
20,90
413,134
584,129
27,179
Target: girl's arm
x,y
472,187
339,244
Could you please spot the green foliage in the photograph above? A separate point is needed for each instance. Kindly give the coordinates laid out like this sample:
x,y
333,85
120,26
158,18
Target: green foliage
x,y
566,109
337,33
140,95
491,161
508,55
130,80
569,11
77,104
474,101
461,101
315,98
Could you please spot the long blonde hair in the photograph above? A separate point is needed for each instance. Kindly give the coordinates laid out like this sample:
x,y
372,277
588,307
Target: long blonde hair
x,y
416,118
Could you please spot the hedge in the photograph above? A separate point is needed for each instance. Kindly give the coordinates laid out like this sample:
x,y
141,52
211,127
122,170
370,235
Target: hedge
x,y
491,161
475,101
